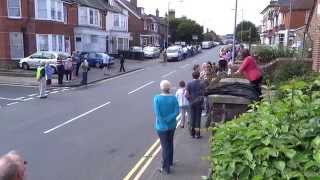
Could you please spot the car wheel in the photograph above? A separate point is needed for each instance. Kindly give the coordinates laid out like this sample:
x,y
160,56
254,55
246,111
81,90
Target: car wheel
x,y
25,66
98,65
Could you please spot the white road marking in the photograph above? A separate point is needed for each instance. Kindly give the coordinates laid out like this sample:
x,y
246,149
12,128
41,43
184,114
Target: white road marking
x,y
28,99
10,104
78,117
121,76
184,66
20,98
32,95
141,87
53,92
9,99
168,74
18,85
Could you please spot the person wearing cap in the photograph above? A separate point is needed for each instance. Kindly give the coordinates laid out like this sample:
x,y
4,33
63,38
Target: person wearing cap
x,y
166,108
12,166
41,77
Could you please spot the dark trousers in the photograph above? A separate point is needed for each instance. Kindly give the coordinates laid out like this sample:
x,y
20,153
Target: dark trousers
x,y
122,68
60,70
68,75
195,122
77,69
84,78
257,85
166,140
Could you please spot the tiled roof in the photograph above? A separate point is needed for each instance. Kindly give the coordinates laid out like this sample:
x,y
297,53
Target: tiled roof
x,y
131,7
297,4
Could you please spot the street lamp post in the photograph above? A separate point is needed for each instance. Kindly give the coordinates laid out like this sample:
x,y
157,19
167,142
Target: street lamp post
x,y
234,33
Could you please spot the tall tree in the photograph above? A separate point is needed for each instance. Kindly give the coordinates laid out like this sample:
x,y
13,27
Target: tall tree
x,y
182,29
246,31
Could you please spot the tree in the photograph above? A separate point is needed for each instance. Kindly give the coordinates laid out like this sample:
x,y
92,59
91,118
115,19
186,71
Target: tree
x,y
246,32
182,29
211,36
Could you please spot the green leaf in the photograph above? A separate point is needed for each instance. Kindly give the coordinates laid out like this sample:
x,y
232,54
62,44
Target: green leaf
x,y
316,156
280,165
290,153
316,142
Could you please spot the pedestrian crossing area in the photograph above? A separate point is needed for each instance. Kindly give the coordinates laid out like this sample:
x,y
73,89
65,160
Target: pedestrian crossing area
x,y
6,102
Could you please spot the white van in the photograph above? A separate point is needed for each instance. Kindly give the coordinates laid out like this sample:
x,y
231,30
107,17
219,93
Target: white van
x,y
206,45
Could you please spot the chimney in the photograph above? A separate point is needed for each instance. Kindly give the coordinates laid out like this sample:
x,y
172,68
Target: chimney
x,y
134,3
157,12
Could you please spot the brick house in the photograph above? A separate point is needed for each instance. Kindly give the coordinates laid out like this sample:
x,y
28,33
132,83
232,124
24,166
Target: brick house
x,y
28,26
155,30
314,32
278,27
135,21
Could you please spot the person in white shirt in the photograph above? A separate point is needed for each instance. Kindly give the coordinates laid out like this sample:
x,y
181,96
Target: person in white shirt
x,y
182,96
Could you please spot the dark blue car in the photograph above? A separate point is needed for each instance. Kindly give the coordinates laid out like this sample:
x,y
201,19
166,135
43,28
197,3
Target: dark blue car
x,y
96,59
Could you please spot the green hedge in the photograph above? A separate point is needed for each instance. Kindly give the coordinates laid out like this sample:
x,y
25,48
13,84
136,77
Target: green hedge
x,y
266,54
280,139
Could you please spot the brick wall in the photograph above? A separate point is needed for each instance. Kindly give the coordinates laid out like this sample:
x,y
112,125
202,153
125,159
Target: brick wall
x,y
135,27
298,19
315,36
29,27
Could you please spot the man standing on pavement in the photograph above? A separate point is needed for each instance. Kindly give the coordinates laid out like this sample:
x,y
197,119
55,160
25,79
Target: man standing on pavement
x,y
60,69
12,167
41,77
85,69
76,58
196,91
122,60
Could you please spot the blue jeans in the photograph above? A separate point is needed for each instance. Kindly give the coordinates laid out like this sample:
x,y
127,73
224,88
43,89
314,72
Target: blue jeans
x,y
166,140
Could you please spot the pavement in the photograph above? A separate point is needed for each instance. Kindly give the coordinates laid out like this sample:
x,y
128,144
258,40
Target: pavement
x,y
100,131
27,78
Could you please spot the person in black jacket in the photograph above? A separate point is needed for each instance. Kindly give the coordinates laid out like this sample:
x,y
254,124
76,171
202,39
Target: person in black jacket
x,y
122,60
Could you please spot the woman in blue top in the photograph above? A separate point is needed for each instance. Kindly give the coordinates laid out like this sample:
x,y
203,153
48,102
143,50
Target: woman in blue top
x,y
166,109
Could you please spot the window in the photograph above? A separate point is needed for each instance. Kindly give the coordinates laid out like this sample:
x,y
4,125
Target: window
x,y
14,8
42,9
91,16
54,42
16,45
83,15
43,43
65,12
50,42
116,22
49,10
96,18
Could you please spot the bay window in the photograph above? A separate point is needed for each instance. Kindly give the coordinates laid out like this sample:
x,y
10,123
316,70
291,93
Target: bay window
x,y
116,22
49,10
14,8
89,16
50,42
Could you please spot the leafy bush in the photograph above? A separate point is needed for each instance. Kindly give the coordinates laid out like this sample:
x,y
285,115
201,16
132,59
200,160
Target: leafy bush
x,y
266,54
278,140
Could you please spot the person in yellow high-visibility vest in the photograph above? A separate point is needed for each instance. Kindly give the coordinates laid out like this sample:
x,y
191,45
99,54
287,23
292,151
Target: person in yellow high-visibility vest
x,y
41,77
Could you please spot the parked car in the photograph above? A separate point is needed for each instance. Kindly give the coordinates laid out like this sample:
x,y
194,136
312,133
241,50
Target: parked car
x,y
151,52
96,59
35,60
136,52
136,49
207,44
174,53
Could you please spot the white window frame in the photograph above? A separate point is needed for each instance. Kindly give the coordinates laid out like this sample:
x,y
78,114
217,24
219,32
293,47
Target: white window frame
x,y
8,10
116,18
58,7
58,38
96,17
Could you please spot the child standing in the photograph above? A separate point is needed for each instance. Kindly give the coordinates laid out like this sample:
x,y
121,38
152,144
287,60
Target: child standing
x,y
182,95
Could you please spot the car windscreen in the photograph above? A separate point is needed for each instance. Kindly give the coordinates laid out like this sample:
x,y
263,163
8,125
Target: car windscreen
x,y
173,50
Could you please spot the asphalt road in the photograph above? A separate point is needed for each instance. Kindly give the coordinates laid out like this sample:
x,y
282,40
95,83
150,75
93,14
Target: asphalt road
x,y
90,133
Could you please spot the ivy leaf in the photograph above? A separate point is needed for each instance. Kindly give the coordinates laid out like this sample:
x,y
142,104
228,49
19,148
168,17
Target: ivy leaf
x,y
280,165
316,156
290,153
316,142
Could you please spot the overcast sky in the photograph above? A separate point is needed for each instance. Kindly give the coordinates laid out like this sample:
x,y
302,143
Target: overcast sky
x,y
217,15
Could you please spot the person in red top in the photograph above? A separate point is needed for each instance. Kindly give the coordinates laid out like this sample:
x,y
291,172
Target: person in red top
x,y
251,71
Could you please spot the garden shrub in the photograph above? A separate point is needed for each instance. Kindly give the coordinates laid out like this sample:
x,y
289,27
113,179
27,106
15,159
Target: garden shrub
x,y
266,54
279,139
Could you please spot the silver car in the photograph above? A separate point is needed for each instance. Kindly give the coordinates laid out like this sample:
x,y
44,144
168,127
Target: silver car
x,y
174,53
151,52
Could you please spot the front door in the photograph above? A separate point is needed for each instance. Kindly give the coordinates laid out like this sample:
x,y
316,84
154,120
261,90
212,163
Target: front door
x,y
16,45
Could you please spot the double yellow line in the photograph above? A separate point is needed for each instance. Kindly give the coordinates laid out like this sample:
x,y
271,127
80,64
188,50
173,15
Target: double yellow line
x,y
145,161
138,170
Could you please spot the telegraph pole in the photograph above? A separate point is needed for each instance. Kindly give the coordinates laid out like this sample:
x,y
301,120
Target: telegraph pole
x,y
234,33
